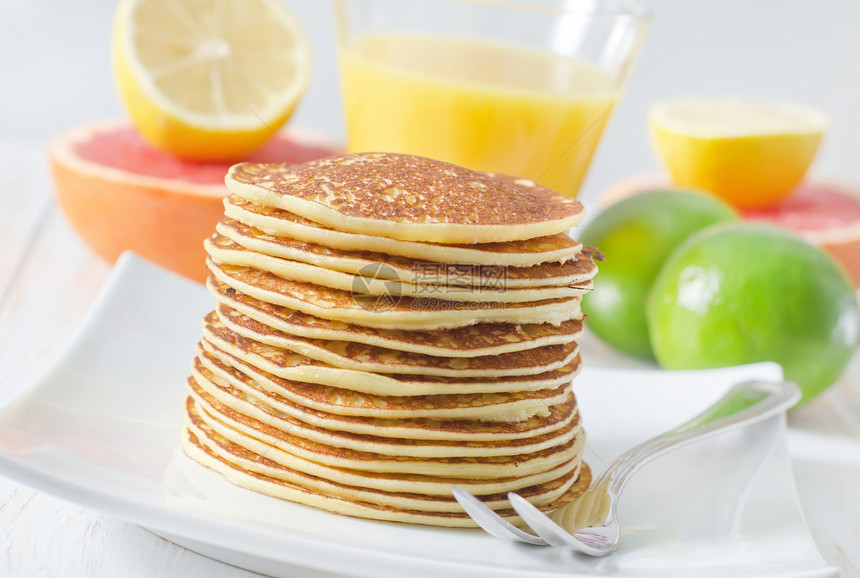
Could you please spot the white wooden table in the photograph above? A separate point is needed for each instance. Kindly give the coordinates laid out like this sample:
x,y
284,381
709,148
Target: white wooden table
x,y
48,280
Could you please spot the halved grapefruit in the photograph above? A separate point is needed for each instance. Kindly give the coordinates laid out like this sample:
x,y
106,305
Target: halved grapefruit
x,y
119,193
824,213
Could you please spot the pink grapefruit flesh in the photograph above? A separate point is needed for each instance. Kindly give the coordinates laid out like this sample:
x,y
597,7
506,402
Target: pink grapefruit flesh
x,y
121,194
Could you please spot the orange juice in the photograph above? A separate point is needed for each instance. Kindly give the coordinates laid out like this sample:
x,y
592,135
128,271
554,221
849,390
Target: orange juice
x,y
487,107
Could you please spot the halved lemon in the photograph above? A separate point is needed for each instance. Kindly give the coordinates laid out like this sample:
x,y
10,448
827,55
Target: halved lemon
x,y
750,153
212,79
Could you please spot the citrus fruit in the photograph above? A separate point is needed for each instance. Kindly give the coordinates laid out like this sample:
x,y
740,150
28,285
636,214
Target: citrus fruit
x,y
826,214
119,193
209,80
823,213
636,235
749,153
746,292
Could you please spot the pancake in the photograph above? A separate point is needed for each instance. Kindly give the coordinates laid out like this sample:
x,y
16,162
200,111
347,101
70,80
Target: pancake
x,y
222,418
387,326
222,399
409,198
477,340
386,312
227,252
406,483
252,471
361,357
294,366
377,416
494,408
408,271
283,224
361,485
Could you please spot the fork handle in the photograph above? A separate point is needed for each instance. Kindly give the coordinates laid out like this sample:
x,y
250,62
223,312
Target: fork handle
x,y
745,403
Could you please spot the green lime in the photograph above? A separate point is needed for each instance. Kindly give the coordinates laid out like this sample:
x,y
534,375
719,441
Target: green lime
x,y
636,235
741,293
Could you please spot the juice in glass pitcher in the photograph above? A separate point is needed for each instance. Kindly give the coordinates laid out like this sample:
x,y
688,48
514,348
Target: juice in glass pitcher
x,y
487,106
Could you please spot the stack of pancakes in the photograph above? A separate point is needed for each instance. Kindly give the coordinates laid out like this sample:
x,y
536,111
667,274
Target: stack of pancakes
x,y
387,326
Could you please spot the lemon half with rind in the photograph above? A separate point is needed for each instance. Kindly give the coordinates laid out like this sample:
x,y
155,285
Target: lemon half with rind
x,y
749,153
212,79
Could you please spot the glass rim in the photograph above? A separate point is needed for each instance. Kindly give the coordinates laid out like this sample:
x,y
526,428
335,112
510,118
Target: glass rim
x,y
630,10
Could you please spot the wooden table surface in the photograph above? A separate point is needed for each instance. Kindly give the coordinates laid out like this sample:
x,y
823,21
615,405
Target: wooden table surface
x,y
48,279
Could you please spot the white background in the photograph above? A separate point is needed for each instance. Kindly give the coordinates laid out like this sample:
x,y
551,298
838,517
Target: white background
x,y
56,70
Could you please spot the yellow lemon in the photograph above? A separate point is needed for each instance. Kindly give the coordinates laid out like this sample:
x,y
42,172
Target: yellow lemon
x,y
749,153
212,79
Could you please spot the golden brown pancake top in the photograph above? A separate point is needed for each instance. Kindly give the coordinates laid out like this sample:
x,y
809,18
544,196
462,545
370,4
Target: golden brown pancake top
x,y
410,189
237,208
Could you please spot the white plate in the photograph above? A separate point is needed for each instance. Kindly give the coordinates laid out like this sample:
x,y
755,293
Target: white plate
x,y
102,427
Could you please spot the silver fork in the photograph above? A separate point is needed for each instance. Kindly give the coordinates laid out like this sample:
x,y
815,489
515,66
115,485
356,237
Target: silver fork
x,y
589,525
